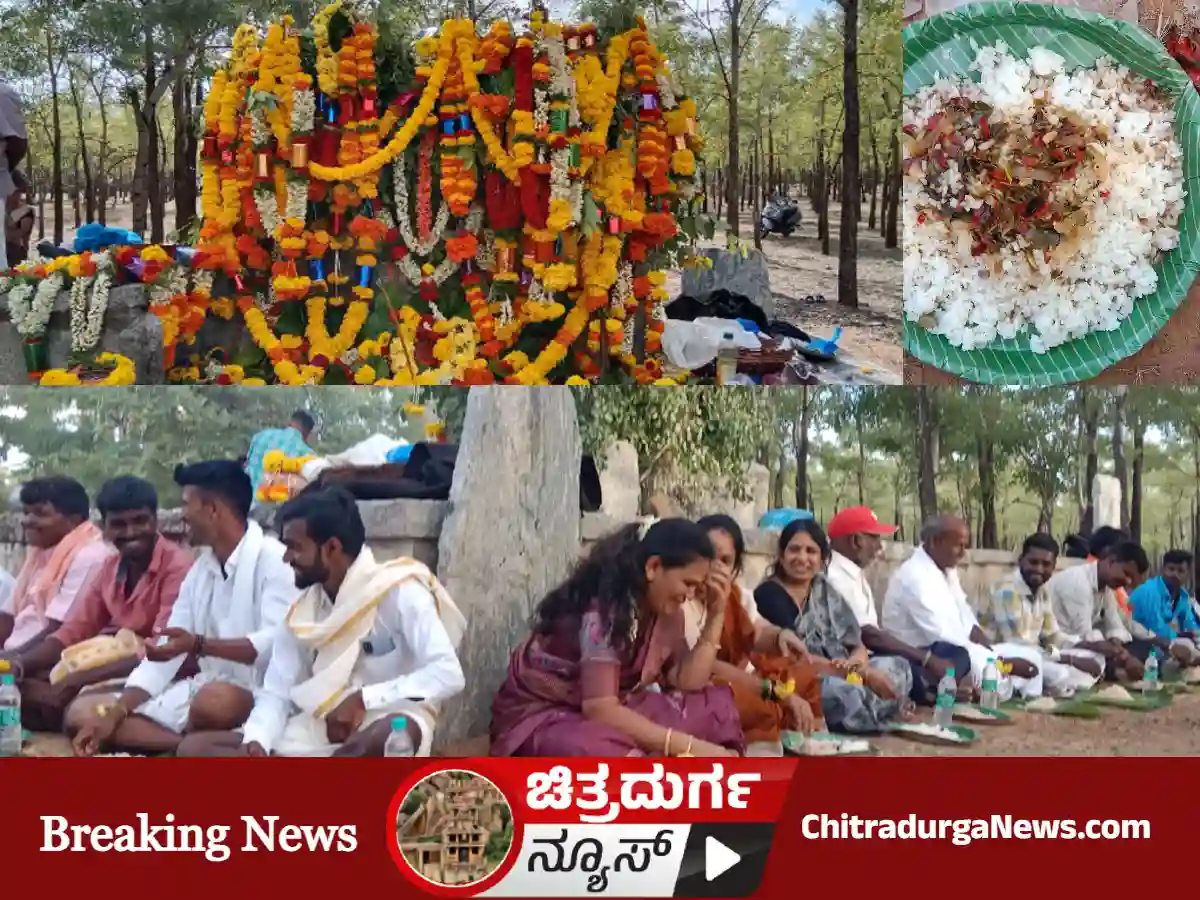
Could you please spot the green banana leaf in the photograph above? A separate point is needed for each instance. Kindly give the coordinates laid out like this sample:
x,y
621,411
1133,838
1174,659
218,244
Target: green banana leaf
x,y
943,45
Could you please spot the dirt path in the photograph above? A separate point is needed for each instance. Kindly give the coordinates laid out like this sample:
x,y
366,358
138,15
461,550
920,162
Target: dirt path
x,y
1116,732
871,333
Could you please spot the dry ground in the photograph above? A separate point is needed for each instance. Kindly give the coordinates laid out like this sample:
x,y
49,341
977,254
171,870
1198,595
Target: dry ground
x,y
1117,732
871,333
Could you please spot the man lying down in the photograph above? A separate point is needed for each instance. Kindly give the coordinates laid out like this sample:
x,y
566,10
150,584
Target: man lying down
x,y
364,643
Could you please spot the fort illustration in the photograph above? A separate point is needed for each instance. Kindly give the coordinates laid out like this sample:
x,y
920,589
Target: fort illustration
x,y
454,828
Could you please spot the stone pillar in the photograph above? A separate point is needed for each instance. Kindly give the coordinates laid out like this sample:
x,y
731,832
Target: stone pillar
x,y
511,532
620,482
1106,501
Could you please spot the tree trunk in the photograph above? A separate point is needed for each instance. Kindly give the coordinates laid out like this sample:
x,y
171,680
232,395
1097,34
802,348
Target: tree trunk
x,y
56,185
1120,400
874,171
848,237
1135,481
88,179
734,162
1091,434
891,236
801,448
183,154
927,452
986,453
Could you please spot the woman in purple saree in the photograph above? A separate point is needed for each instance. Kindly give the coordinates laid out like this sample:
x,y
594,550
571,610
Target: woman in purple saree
x,y
607,670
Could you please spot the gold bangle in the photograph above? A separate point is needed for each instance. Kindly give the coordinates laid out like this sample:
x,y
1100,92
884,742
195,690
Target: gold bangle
x,y
687,751
667,743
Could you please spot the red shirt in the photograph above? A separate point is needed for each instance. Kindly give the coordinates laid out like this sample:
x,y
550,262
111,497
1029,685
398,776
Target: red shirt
x,y
102,606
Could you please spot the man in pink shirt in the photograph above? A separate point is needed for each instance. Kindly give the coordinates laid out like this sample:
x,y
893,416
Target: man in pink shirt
x,y
65,549
132,589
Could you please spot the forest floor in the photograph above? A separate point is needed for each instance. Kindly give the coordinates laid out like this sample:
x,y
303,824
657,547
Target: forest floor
x,y
870,334
798,269
1116,732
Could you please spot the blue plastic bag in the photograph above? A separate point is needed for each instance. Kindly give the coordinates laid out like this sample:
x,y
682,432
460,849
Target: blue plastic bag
x,y
779,519
400,454
96,237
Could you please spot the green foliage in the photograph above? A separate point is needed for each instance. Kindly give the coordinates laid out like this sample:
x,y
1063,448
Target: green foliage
x,y
96,434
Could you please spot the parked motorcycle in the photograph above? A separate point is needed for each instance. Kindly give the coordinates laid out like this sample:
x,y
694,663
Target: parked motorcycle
x,y
780,216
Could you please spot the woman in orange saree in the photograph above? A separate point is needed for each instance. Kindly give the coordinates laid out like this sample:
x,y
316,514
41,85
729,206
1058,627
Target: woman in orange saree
x,y
775,687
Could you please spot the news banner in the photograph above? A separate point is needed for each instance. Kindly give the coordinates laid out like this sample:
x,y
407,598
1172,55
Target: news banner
x,y
571,828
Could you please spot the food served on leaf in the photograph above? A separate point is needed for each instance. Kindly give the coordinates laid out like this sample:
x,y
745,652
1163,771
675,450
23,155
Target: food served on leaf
x,y
1036,200
826,745
1114,692
1191,676
1042,704
972,714
949,735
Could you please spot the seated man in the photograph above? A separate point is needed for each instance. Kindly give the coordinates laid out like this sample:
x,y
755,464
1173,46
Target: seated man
x,y
223,621
66,550
925,603
365,642
1084,604
1163,607
132,589
1020,613
855,539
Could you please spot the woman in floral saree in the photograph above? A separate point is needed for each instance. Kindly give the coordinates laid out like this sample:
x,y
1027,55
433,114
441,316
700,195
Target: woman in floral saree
x,y
607,670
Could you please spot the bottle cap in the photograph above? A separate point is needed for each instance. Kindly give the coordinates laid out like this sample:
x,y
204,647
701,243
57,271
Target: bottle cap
x,y
7,679
399,723
950,671
991,659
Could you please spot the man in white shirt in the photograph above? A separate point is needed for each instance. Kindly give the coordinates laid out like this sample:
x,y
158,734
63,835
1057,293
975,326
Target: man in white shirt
x,y
7,584
925,603
222,623
1084,602
366,647
855,538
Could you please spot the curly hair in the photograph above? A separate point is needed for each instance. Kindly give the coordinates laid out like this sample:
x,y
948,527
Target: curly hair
x,y
613,574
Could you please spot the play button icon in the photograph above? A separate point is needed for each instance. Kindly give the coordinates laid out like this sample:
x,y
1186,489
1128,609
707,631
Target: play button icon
x,y
724,859
718,859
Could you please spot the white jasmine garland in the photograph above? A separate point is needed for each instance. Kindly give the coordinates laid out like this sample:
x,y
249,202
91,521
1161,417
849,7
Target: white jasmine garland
x,y
20,310
89,303
445,269
33,324
304,110
296,203
421,248
170,284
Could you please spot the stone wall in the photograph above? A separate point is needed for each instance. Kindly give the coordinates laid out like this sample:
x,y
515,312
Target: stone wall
x,y
412,528
128,329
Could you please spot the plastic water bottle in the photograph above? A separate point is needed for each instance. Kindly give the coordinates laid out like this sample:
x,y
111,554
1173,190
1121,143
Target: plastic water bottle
x,y
10,717
990,695
727,359
947,696
1150,677
399,743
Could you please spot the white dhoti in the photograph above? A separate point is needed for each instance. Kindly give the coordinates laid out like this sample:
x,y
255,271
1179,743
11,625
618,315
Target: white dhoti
x,y
170,709
305,735
1026,687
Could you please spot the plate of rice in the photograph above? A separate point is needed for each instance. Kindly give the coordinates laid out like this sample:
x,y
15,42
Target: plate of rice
x,y
1051,191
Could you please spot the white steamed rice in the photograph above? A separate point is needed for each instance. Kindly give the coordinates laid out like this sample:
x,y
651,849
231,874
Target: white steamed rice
x,y
972,301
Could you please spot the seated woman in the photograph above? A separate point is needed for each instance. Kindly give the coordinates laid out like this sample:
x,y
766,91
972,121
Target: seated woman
x,y
859,694
607,671
775,685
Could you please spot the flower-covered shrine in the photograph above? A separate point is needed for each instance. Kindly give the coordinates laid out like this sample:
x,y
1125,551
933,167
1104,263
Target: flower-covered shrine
x,y
505,214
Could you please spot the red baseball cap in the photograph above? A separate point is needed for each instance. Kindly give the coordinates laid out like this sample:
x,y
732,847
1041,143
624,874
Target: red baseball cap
x,y
857,520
